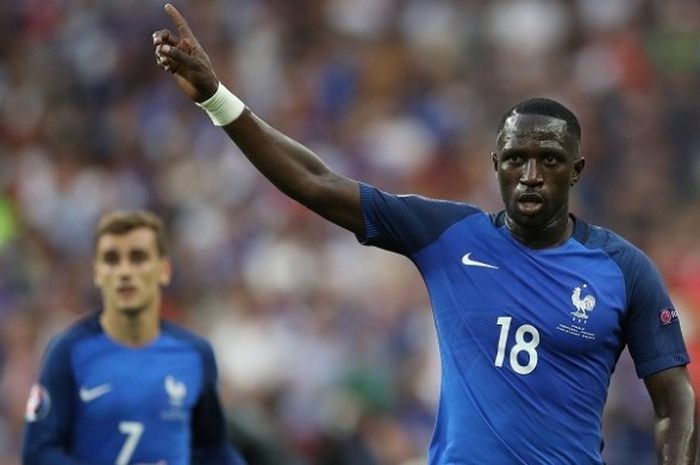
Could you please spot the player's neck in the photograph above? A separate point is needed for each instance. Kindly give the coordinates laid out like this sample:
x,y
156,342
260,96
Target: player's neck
x,y
552,234
131,329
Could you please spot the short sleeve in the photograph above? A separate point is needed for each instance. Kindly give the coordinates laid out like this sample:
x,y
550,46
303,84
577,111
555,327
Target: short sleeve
x,y
49,412
406,224
209,438
208,427
652,328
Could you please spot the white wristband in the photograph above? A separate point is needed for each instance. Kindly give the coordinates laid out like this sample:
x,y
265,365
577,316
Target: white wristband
x,y
222,107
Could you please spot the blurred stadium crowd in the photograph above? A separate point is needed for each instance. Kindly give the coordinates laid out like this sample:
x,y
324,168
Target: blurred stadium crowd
x,y
326,349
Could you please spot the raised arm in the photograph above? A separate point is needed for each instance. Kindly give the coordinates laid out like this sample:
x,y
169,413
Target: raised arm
x,y
675,416
290,166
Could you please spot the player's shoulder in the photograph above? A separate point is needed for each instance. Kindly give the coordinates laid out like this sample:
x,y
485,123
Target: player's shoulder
x,y
192,341
185,336
410,223
85,327
371,193
628,256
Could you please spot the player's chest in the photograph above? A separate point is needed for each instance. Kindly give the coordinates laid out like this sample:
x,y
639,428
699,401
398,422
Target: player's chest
x,y
120,383
572,297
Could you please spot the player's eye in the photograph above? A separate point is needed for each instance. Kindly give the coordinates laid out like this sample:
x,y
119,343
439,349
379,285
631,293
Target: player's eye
x,y
138,256
513,157
553,159
110,257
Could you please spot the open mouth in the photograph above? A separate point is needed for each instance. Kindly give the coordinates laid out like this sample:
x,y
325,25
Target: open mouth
x,y
530,202
126,291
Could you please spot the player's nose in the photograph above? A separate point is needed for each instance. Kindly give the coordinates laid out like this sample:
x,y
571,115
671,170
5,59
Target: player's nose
x,y
531,174
124,270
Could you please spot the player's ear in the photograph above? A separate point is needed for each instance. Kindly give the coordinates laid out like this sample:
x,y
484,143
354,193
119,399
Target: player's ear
x,y
579,164
494,160
165,272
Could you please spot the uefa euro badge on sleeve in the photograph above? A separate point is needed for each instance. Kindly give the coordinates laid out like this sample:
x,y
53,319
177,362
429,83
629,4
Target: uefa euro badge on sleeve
x,y
38,403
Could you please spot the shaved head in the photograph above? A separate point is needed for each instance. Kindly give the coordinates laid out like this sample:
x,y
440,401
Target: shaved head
x,y
545,107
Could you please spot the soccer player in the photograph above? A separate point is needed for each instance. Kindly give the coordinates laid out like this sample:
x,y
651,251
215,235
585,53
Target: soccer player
x,y
532,304
123,386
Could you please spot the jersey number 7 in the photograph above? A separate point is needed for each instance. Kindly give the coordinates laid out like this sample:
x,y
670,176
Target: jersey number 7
x,y
133,431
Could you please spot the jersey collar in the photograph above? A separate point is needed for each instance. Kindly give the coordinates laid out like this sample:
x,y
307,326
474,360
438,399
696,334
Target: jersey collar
x,y
581,228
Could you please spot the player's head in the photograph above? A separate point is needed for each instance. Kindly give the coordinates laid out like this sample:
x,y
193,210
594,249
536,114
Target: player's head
x,y
537,160
545,107
131,263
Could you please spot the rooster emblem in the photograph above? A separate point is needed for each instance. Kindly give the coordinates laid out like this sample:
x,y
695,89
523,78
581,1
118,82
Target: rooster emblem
x,y
176,391
583,305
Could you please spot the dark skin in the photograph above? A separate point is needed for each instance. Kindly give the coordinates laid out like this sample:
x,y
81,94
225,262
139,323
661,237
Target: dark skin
x,y
537,162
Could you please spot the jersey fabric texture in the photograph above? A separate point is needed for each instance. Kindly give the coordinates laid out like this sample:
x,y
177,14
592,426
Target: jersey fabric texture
x,y
528,339
99,402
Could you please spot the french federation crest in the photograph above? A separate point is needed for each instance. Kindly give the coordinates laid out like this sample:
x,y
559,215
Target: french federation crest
x,y
176,390
583,305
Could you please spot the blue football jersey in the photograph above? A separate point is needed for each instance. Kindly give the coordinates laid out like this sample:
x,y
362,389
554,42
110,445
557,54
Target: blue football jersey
x,y
528,339
99,402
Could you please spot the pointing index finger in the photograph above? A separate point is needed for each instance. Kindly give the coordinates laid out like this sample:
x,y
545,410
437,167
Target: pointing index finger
x,y
179,21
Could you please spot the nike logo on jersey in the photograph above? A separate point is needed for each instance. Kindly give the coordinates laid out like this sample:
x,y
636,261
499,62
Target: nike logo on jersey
x,y
469,262
88,395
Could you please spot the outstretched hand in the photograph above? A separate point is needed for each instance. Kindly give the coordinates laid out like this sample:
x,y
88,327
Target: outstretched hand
x,y
185,58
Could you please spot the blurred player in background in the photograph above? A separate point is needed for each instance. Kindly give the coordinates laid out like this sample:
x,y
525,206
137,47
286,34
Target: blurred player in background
x,y
123,386
532,305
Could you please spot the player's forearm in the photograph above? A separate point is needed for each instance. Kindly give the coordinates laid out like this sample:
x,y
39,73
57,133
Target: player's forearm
x,y
676,434
288,164
297,171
